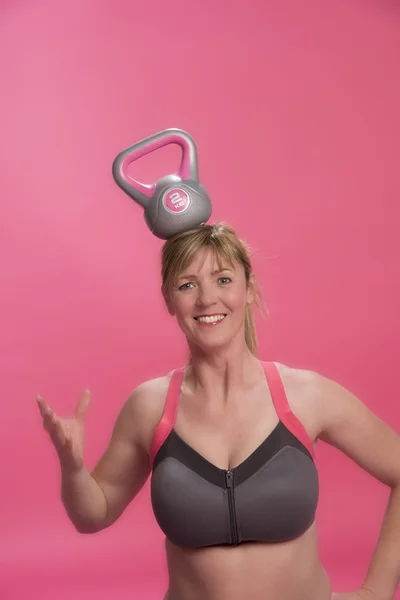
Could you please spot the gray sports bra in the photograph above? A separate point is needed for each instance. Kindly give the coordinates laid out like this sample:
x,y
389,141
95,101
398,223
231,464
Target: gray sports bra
x,y
271,496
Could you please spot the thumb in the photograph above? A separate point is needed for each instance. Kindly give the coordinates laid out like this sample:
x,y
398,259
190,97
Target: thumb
x,y
83,405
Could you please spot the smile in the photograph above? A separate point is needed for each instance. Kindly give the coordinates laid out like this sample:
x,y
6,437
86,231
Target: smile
x,y
210,319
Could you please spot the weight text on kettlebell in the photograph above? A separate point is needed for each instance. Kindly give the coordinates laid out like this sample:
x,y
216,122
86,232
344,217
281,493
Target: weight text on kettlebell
x,y
176,200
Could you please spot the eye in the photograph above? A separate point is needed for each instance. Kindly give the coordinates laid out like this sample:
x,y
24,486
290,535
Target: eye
x,y
184,286
225,280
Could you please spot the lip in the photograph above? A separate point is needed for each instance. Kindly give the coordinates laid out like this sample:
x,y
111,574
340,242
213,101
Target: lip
x,y
212,315
215,324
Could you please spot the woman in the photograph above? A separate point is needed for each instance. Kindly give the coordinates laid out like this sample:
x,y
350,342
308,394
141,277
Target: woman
x,y
234,486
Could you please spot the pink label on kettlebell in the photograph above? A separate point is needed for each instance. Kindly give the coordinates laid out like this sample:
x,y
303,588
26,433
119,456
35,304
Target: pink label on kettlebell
x,y
176,200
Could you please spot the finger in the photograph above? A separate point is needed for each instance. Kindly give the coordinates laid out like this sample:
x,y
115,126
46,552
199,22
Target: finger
x,y
57,435
49,419
42,405
47,413
55,430
83,405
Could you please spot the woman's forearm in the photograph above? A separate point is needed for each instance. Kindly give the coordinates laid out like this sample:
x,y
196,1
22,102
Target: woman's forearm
x,y
383,575
84,500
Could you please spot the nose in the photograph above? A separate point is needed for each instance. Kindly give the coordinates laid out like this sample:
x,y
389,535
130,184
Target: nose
x,y
206,296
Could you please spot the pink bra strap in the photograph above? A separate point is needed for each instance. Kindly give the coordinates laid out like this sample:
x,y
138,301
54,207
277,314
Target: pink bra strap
x,y
170,409
282,407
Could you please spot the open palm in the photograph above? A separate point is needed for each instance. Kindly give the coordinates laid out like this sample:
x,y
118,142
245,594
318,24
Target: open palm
x,y
68,434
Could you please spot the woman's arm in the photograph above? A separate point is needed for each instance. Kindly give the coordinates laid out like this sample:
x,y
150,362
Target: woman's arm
x,y
346,423
83,500
93,501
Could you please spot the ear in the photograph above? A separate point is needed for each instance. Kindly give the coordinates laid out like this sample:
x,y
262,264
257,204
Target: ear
x,y
251,290
167,302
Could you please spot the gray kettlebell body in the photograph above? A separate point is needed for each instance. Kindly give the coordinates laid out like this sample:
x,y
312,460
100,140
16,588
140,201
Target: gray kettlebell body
x,y
175,202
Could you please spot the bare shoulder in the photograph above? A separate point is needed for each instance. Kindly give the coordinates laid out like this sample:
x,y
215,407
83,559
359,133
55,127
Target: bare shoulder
x,y
334,414
145,406
303,382
302,387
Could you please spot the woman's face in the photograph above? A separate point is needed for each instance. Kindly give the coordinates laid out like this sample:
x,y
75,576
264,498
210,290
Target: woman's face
x,y
209,303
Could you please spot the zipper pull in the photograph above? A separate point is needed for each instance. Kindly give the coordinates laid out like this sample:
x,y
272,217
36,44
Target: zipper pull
x,y
229,479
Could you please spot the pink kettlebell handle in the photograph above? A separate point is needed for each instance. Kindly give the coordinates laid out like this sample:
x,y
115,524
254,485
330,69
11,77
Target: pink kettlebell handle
x,y
140,191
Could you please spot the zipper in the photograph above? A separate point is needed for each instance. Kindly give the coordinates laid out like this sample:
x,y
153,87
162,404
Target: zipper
x,y
232,510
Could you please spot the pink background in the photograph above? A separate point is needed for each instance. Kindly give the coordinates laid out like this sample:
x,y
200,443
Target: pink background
x,y
294,107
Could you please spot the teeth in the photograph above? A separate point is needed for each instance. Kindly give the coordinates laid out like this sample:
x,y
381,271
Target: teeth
x,y
213,319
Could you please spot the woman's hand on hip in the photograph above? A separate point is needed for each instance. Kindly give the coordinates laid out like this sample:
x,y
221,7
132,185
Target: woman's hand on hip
x,y
360,594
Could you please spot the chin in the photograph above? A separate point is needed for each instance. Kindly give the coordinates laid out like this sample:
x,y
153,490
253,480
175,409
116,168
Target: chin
x,y
210,345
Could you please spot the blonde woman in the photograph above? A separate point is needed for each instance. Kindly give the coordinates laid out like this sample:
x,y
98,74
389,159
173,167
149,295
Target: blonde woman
x,y
229,442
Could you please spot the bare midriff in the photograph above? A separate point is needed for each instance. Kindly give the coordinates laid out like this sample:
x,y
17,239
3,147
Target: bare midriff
x,y
260,571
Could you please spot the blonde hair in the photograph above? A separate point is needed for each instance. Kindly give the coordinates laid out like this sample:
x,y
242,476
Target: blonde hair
x,y
179,251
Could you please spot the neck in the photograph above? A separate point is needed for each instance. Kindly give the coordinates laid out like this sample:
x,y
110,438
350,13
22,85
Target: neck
x,y
219,374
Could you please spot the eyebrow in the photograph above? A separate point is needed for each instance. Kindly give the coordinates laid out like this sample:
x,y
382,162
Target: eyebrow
x,y
193,276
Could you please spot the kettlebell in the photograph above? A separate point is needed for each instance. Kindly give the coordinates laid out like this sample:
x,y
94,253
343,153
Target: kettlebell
x,y
175,202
